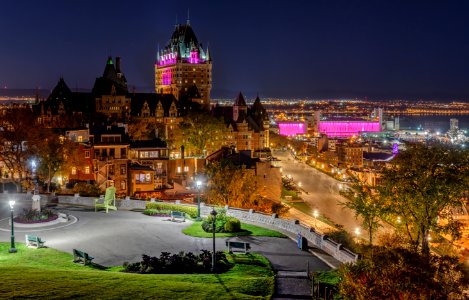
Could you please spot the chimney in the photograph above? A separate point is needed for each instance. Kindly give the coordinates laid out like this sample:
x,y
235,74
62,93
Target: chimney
x,y
118,64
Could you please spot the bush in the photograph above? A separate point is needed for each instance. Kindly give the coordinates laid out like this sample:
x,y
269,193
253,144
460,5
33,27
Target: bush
x,y
87,190
191,211
181,263
156,212
232,225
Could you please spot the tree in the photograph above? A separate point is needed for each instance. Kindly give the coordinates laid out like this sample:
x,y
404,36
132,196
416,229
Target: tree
x,y
53,152
235,186
18,137
366,204
422,185
202,131
399,273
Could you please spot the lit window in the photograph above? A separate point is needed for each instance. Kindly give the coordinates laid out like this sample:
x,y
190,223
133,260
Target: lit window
x,y
74,171
87,170
179,169
123,185
186,169
80,138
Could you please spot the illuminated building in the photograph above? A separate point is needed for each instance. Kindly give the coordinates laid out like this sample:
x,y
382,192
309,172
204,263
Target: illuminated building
x,y
248,126
346,127
183,68
291,128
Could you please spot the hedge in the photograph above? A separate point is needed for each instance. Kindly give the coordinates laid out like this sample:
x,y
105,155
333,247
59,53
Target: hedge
x,y
191,211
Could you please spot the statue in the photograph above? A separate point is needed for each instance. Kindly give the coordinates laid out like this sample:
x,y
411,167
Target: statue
x,y
36,202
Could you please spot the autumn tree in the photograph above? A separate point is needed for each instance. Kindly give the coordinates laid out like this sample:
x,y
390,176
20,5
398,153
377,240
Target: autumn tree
x,y
202,132
53,153
142,129
18,137
422,186
366,204
398,273
235,186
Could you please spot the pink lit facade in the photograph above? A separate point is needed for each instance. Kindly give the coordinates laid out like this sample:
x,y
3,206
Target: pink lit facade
x,y
291,128
183,64
347,128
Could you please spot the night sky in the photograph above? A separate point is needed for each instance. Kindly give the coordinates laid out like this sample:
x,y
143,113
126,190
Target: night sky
x,y
316,49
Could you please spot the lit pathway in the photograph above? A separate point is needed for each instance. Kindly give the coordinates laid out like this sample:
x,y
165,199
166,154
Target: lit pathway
x,y
323,193
123,236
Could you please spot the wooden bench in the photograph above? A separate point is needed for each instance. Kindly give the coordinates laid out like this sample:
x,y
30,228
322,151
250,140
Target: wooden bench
x,y
34,241
178,215
80,256
241,246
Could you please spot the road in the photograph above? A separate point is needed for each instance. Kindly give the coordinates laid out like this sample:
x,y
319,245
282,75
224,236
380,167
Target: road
x,y
322,190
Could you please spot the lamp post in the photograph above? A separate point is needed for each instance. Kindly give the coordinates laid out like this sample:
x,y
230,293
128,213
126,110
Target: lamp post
x,y
214,217
316,215
12,246
357,234
199,185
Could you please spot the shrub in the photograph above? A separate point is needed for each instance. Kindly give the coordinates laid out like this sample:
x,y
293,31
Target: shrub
x,y
191,211
232,225
87,190
156,212
179,263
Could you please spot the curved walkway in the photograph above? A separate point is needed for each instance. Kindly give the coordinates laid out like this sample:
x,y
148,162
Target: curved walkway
x,y
123,236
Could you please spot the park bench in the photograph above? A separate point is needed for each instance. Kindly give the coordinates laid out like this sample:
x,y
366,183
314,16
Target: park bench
x,y
178,215
241,246
80,256
34,241
108,201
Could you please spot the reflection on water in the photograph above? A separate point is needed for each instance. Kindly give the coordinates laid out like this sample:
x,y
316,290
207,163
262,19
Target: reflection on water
x,y
434,123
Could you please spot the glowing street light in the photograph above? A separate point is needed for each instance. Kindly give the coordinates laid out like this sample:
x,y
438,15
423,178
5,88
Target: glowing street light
x,y
199,185
357,232
316,215
12,246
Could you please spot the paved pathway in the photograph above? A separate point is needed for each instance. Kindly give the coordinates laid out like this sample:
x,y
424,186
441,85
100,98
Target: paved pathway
x,y
123,236
323,192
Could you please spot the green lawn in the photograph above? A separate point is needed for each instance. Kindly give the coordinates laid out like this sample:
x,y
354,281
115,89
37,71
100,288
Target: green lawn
x,y
51,274
196,230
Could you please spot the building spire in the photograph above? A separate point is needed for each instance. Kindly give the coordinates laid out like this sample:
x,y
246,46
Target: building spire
x,y
188,18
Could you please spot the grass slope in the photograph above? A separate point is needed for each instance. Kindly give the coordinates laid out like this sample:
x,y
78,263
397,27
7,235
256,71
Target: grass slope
x,y
51,274
196,230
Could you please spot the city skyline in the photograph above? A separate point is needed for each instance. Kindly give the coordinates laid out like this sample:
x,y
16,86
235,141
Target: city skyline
x,y
318,50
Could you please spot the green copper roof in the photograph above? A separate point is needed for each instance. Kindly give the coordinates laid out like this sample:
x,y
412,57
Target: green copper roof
x,y
109,60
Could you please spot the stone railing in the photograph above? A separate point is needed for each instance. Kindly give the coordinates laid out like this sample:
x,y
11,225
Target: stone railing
x,y
314,238
295,227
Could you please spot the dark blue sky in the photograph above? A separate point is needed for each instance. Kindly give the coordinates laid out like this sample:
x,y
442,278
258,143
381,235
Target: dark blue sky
x,y
316,49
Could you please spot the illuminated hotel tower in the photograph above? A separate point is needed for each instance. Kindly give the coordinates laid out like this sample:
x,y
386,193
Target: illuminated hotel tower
x,y
183,68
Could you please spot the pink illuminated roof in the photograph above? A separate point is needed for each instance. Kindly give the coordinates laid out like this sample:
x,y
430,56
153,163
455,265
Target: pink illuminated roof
x,y
291,128
347,128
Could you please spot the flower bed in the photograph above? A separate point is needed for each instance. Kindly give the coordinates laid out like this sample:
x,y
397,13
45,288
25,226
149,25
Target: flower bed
x,y
30,216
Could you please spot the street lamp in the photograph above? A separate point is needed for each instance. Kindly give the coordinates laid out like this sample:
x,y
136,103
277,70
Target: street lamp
x,y
357,233
214,217
316,215
199,185
12,247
